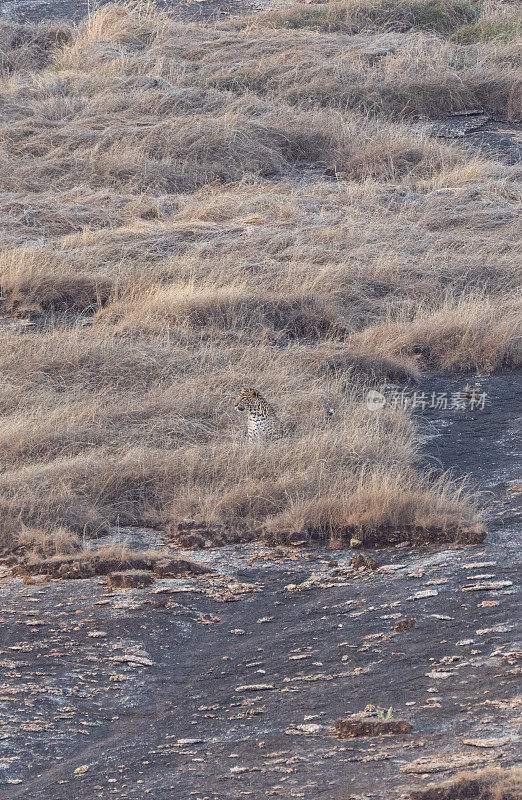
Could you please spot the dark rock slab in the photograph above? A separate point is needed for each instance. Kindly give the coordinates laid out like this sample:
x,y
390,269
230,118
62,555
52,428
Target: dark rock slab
x,y
404,625
131,579
173,567
353,728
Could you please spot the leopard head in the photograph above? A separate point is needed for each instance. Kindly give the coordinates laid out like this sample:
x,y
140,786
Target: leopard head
x,y
245,399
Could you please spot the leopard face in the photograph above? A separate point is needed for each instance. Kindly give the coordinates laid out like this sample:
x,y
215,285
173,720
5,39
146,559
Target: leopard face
x,y
246,399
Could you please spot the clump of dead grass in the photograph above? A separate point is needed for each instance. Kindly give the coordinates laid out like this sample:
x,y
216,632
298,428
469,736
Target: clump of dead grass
x,y
397,74
492,783
383,506
484,31
471,333
352,362
228,310
33,282
26,47
99,144
38,545
497,23
132,22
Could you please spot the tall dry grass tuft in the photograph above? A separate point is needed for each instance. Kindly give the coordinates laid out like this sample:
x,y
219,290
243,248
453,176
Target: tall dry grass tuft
x,y
224,310
380,68
471,333
26,47
38,545
110,143
382,506
491,783
31,283
132,22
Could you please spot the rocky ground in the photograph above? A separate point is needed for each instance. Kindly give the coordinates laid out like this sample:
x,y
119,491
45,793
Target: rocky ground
x,y
491,138
228,685
36,10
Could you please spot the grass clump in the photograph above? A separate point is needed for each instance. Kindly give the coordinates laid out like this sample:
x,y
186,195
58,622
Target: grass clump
x,y
358,16
492,783
25,46
308,17
485,31
109,143
31,283
227,310
476,333
377,57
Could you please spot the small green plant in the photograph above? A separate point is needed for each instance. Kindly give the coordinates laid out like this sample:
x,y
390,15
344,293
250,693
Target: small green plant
x,y
384,715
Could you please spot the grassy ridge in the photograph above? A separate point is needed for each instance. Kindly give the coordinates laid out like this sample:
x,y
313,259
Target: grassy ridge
x,y
188,208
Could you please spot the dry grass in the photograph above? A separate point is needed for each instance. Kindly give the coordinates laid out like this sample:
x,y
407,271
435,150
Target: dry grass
x,y
473,333
30,46
371,64
189,140
487,784
31,284
496,23
228,310
172,236
107,431
375,16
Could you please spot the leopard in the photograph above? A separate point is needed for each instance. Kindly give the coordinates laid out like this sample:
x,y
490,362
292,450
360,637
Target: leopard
x,y
263,423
